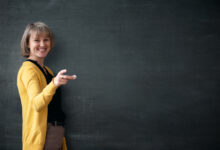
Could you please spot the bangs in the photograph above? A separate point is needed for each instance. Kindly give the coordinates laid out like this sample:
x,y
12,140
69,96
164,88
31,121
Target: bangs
x,y
39,31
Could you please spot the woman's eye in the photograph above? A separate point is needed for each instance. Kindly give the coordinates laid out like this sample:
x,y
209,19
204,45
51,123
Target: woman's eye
x,y
36,40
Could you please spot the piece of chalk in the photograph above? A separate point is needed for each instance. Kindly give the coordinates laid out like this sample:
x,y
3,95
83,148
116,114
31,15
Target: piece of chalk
x,y
74,76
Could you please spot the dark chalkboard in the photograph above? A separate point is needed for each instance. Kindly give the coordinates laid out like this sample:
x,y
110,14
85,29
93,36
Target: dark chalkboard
x,y
148,72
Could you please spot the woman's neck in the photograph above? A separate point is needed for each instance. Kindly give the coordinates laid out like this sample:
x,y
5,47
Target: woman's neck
x,y
40,61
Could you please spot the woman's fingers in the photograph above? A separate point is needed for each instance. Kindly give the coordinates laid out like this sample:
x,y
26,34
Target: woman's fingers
x,y
62,72
62,79
68,77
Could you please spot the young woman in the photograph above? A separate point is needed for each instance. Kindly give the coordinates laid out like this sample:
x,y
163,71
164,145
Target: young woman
x,y
42,116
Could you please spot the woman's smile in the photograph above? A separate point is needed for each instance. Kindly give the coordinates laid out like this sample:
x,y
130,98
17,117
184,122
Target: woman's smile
x,y
42,50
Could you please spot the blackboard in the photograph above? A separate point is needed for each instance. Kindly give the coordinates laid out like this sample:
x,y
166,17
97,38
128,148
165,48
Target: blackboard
x,y
148,72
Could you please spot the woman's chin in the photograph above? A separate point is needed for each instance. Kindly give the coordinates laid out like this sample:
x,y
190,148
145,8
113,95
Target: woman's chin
x,y
42,55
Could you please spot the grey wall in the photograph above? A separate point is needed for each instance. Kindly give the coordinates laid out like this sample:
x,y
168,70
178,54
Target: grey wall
x,y
148,71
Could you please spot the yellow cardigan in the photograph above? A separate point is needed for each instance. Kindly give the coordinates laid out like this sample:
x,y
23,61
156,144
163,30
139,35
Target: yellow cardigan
x,y
35,96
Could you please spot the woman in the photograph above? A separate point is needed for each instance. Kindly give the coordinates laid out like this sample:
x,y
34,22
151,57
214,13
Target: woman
x,y
43,118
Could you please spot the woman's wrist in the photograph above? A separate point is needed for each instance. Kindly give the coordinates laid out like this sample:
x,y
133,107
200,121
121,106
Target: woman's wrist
x,y
54,82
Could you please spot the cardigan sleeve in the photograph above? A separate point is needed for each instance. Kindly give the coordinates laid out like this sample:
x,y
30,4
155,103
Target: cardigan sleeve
x,y
39,97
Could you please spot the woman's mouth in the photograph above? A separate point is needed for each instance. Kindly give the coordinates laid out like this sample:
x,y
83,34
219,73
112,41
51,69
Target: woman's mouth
x,y
42,49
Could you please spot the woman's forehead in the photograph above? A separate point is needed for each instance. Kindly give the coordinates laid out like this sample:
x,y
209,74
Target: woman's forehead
x,y
37,34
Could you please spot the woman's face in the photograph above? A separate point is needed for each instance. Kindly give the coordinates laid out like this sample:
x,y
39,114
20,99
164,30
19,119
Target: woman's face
x,y
40,45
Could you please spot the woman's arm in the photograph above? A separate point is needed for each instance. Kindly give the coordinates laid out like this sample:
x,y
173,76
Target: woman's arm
x,y
39,96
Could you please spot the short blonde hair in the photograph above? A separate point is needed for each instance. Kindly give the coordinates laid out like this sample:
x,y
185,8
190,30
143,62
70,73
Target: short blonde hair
x,y
37,28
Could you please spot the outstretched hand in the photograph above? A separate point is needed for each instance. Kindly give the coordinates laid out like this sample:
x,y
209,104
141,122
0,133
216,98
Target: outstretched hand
x,y
62,79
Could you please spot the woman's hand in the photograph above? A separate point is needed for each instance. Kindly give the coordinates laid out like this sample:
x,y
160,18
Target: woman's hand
x,y
62,79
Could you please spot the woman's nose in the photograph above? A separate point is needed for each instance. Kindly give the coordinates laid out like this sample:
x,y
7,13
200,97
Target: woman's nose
x,y
42,43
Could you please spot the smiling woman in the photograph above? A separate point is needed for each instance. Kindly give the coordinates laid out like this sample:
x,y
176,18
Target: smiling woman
x,y
39,45
39,90
32,34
